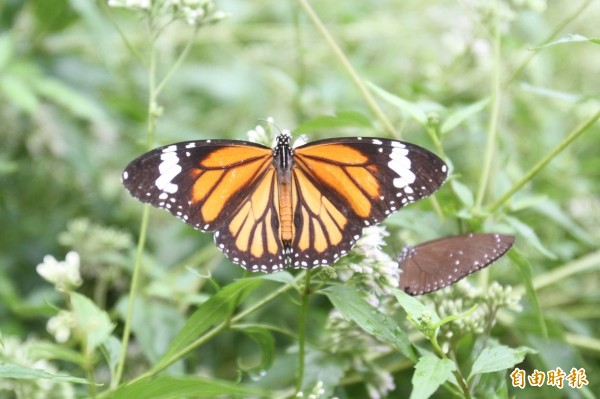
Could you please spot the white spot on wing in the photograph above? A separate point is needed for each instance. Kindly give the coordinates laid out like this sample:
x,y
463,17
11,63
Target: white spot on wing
x,y
400,163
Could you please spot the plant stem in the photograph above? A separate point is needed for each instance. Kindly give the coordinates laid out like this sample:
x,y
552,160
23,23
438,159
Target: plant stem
x,y
459,378
494,114
364,91
302,331
542,163
132,296
137,267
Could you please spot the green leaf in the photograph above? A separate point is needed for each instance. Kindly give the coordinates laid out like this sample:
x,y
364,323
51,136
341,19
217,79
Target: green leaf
x,y
266,343
353,307
430,373
92,321
464,194
572,38
75,102
414,308
529,234
50,351
340,119
405,106
462,114
8,370
280,277
167,387
111,349
19,93
498,358
215,310
553,94
322,366
6,50
527,279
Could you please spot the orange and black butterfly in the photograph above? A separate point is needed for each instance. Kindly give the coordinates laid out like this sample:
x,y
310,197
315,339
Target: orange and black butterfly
x,y
272,208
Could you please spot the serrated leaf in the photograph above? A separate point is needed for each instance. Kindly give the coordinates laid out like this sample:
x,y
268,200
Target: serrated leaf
x,y
458,117
213,311
499,358
167,387
265,341
464,194
339,120
92,321
353,307
529,234
572,38
430,373
406,106
8,370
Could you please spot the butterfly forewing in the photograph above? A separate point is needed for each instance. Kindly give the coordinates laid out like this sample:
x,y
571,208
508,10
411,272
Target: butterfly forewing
x,y
369,178
201,182
439,263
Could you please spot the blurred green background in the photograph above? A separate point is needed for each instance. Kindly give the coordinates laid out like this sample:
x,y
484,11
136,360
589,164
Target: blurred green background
x,y
73,110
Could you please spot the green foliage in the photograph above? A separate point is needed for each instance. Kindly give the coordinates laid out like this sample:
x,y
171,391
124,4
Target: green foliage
x,y
505,91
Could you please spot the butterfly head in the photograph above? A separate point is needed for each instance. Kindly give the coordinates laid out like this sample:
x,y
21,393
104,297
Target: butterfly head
x,y
282,153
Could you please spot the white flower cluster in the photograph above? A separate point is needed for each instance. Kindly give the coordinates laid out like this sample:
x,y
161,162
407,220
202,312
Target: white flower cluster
x,y
61,326
194,12
377,272
317,392
462,297
64,274
132,4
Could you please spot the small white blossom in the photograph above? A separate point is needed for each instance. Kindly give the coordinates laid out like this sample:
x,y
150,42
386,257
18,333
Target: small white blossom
x,y
61,326
258,135
65,274
140,4
377,271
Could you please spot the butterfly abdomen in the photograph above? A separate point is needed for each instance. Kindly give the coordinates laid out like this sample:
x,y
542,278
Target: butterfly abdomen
x,y
283,160
285,212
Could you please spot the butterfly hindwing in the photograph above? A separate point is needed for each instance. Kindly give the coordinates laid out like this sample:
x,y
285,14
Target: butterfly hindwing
x,y
322,230
251,236
201,182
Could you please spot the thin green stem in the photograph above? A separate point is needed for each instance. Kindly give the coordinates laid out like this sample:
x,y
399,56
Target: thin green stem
x,y
132,295
364,91
137,267
302,331
542,163
551,36
494,115
177,64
